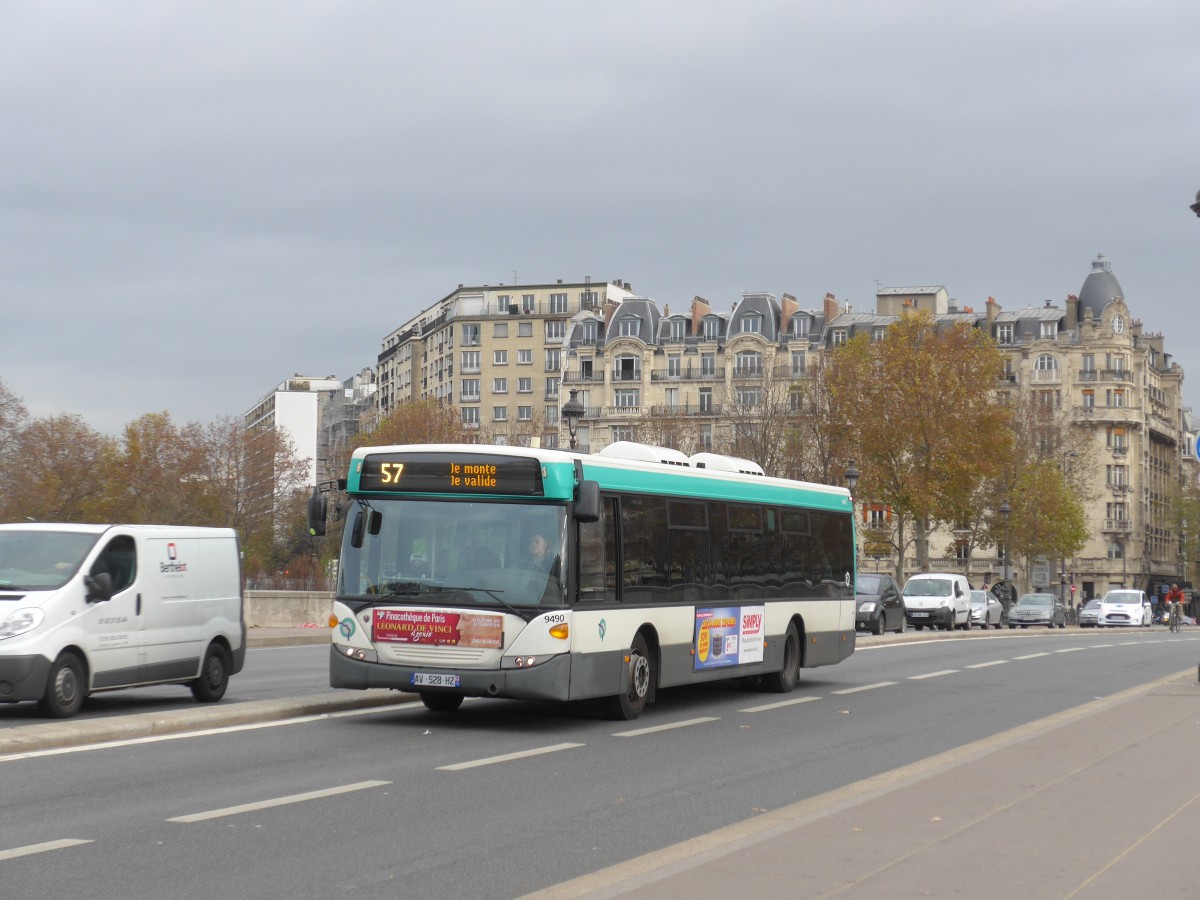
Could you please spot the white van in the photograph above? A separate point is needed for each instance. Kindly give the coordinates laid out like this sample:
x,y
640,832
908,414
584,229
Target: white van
x,y
937,600
87,608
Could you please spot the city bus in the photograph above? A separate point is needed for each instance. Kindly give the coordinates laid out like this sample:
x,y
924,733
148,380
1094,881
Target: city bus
x,y
659,570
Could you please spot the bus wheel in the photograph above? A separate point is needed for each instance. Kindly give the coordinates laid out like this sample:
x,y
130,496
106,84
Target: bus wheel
x,y
784,681
214,675
441,702
65,688
638,677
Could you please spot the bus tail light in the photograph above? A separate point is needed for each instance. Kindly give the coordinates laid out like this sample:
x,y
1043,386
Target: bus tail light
x,y
560,631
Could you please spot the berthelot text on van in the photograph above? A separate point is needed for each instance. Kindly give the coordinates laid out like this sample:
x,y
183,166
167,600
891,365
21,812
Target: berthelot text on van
x,y
86,608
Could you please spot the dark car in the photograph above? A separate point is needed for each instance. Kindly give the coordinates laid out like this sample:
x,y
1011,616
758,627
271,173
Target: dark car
x,y
1038,609
878,606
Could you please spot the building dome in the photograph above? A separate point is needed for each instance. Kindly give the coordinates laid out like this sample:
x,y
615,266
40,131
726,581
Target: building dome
x,y
1099,289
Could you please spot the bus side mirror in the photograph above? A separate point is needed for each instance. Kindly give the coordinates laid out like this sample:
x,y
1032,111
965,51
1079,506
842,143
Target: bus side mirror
x,y
356,531
587,506
318,508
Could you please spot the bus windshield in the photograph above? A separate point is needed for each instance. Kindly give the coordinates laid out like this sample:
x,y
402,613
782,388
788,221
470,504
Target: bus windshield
x,y
454,553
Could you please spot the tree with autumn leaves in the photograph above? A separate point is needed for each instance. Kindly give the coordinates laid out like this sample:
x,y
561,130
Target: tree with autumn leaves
x,y
936,444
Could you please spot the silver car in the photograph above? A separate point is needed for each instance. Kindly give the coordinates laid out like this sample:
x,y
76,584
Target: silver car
x,y
986,610
1089,614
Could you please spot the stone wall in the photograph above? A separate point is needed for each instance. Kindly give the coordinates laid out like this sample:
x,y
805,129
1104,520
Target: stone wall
x,y
286,609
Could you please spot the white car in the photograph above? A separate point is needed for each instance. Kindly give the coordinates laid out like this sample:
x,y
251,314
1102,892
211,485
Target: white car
x,y
938,600
1125,607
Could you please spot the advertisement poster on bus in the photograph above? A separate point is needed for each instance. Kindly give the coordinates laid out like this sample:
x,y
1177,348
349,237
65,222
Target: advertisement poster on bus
x,y
728,636
432,626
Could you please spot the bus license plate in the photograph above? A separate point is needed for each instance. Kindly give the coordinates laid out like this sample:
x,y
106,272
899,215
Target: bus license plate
x,y
431,679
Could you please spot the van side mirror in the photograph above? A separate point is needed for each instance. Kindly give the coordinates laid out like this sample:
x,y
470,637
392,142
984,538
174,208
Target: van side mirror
x,y
98,587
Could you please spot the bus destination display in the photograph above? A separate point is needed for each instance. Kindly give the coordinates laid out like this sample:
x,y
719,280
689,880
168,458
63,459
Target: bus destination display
x,y
458,473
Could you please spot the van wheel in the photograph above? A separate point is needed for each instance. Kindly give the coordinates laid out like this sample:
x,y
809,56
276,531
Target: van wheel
x,y
214,675
639,674
784,681
65,688
441,702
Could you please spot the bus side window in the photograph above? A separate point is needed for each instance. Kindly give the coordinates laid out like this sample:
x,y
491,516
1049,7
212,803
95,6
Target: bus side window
x,y
597,556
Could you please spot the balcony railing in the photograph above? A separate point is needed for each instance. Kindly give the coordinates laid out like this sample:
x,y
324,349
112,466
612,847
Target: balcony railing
x,y
596,377
1118,526
686,375
686,409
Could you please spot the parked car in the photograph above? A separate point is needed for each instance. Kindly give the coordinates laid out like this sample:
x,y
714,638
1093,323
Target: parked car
x,y
1125,607
937,600
1038,609
986,609
879,607
1089,613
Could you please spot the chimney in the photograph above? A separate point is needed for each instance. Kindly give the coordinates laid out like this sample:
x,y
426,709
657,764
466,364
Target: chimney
x,y
1072,312
700,309
832,309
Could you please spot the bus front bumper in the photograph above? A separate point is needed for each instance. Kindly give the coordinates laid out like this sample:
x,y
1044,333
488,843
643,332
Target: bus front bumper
x,y
550,680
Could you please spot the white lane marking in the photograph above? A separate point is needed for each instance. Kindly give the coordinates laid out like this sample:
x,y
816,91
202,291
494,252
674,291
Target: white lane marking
x,y
1032,656
866,687
638,732
1070,649
507,757
40,848
778,705
279,801
1098,646
932,674
226,729
994,662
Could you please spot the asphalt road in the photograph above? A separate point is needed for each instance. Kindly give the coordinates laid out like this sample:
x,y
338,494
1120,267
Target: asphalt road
x,y
503,797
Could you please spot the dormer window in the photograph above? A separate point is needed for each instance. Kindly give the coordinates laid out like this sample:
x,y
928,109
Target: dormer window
x,y
712,329
800,326
630,326
752,324
1050,330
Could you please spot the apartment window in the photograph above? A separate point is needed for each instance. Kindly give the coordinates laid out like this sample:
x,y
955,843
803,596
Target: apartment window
x,y
706,439
470,389
556,329
839,337
524,357
524,413
558,303
524,385
627,368
503,302
627,398
499,385
1117,476
499,413
1089,399
677,329
748,362
712,328
470,335
588,299
528,303
524,329
1046,363
752,324
1117,439
708,364
553,360
470,361
500,440
470,416
1088,362
672,397
1050,330
630,326
500,329
749,397
1115,550
623,433
799,363
552,387
1115,398
550,415
500,357
1116,512
1004,333
674,366
706,405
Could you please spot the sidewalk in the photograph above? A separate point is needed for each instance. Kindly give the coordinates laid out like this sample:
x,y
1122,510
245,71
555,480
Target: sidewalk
x,y
1082,805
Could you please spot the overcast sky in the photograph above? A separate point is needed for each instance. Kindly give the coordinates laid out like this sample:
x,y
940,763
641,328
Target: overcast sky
x,y
201,199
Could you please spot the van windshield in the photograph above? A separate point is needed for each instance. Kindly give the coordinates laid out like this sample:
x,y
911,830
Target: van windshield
x,y
927,587
41,560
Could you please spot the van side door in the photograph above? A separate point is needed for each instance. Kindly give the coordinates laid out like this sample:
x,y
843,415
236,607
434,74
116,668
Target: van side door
x,y
114,625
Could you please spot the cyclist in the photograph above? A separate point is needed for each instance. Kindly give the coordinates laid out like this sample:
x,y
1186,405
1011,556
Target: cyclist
x,y
1174,601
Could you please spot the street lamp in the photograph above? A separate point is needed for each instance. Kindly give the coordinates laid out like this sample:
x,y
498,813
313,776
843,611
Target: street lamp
x,y
1062,560
573,411
1005,511
851,475
1196,205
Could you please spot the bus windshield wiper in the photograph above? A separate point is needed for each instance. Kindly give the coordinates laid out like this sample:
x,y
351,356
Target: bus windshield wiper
x,y
491,592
